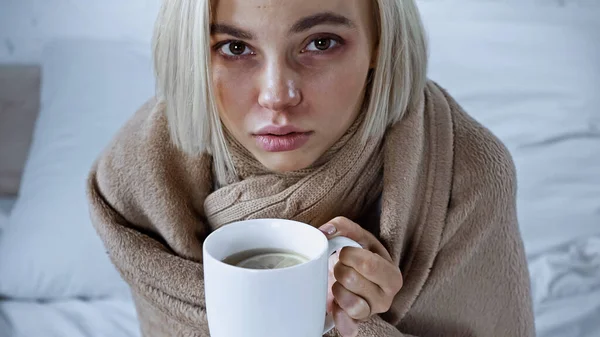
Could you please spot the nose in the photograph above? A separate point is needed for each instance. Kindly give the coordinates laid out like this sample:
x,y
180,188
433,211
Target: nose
x,y
279,87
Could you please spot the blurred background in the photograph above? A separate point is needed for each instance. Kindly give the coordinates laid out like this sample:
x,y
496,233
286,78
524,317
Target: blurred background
x,y
72,72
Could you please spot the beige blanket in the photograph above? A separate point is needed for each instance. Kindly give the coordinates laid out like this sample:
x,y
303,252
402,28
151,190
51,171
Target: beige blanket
x,y
448,219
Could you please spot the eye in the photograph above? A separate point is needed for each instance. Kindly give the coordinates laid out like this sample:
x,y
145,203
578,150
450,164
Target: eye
x,y
235,48
321,44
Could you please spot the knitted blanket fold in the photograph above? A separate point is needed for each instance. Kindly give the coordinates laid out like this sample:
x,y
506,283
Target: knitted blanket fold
x,y
448,218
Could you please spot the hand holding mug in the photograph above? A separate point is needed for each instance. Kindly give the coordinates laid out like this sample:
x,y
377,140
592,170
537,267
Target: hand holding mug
x,y
366,280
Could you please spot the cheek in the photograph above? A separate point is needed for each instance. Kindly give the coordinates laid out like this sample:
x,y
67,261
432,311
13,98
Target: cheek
x,y
234,91
337,92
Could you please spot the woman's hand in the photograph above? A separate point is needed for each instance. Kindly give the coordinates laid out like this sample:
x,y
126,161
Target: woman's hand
x,y
364,282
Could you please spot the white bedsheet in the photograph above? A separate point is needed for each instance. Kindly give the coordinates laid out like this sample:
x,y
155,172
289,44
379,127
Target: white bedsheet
x,y
566,289
76,318
572,316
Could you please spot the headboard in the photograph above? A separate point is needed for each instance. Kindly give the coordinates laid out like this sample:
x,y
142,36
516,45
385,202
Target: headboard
x,y
19,106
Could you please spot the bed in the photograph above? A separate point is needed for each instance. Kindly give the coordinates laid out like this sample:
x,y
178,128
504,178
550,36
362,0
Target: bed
x,y
528,70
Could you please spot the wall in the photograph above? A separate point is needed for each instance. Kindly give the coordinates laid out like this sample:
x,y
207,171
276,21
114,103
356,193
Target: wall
x,y
25,25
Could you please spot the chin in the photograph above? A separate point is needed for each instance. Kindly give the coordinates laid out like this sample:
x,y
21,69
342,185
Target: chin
x,y
285,162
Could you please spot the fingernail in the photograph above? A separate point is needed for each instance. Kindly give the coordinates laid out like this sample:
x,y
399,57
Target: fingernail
x,y
328,229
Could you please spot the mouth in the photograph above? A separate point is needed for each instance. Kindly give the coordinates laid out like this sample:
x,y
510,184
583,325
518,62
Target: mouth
x,y
282,142
283,130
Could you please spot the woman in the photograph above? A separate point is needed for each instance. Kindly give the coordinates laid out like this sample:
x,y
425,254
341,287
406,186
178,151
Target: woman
x,y
317,111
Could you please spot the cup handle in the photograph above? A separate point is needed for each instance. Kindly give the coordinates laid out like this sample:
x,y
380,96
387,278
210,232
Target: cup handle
x,y
336,244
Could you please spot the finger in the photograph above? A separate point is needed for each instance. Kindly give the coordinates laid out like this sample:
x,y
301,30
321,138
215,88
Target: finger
x,y
373,268
344,324
352,281
330,299
341,226
355,306
333,259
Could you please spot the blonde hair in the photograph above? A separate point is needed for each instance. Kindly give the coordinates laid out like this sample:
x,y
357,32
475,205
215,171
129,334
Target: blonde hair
x,y
182,51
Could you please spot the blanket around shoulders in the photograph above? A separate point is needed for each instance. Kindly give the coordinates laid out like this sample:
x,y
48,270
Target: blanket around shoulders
x,y
448,219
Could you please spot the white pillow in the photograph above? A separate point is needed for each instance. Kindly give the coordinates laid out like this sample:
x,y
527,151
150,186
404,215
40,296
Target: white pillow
x,y
49,250
530,71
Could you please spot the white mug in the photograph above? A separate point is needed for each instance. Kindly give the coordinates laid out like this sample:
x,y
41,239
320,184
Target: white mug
x,y
287,302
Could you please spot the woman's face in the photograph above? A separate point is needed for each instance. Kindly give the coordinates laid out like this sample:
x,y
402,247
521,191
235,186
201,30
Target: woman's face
x,y
289,75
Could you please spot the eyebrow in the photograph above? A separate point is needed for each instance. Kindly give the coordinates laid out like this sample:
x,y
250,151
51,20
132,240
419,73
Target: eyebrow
x,y
302,25
220,28
325,18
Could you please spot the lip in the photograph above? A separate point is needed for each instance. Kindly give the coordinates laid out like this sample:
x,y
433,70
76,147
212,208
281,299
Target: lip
x,y
279,130
281,138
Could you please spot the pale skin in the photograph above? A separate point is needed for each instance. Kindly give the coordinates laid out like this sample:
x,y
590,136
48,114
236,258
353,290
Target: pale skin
x,y
304,63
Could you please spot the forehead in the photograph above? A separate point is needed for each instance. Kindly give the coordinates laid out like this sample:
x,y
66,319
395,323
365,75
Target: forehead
x,y
266,13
